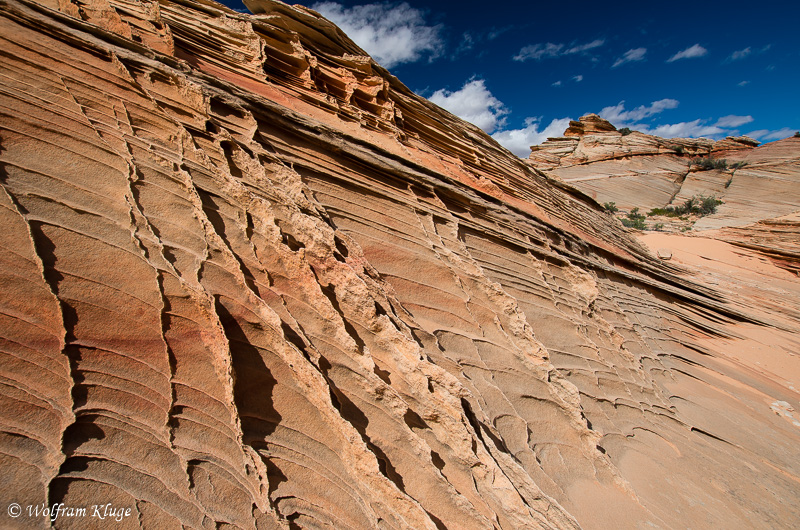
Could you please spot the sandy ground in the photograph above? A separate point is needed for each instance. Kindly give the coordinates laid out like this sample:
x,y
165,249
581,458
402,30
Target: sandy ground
x,y
721,259
772,355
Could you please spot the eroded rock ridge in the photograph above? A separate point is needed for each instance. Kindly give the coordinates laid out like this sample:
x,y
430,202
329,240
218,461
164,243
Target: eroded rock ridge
x,y
249,280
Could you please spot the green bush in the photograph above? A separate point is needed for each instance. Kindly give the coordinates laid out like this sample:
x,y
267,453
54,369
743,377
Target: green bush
x,y
638,224
610,207
707,163
727,184
738,165
708,205
625,131
634,220
797,134
697,204
690,205
679,150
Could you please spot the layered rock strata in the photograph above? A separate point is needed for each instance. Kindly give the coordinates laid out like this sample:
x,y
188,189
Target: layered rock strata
x,y
640,170
758,187
248,279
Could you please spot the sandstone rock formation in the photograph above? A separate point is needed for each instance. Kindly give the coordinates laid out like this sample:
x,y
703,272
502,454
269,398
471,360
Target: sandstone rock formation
x,y
778,239
645,171
758,186
249,280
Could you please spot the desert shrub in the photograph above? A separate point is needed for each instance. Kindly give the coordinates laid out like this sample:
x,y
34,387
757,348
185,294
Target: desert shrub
x,y
707,163
669,211
698,204
625,131
690,205
708,205
610,207
797,134
638,224
634,220
679,150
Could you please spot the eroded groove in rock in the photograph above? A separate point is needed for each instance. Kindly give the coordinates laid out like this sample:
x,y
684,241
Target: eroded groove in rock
x,y
270,287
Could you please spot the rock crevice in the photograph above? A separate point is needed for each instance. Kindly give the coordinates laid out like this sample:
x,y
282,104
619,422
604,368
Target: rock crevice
x,y
270,287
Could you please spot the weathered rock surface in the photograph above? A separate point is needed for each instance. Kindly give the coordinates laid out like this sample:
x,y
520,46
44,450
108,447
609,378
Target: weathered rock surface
x,y
591,123
248,279
759,189
645,171
778,239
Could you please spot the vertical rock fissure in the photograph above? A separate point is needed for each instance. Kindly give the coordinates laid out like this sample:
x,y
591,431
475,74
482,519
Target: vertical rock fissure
x,y
67,416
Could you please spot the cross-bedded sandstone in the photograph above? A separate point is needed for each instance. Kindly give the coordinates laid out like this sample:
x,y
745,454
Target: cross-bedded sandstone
x,y
250,280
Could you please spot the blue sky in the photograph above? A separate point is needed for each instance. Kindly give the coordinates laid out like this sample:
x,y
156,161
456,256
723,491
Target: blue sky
x,y
520,71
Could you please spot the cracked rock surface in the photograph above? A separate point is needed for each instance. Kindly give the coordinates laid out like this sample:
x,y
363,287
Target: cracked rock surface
x,y
248,279
757,182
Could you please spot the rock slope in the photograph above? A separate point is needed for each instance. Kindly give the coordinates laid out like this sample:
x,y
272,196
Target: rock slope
x,y
645,171
758,186
249,280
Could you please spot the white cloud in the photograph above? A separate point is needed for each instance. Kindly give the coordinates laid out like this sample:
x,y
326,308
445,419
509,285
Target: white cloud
x,y
474,103
759,133
733,121
747,52
741,54
519,141
585,47
539,51
633,119
621,117
635,54
689,53
684,129
392,34
743,83
467,43
577,78
557,83
550,50
765,134
494,33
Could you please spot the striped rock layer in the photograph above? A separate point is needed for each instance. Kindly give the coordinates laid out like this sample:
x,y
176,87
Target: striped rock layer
x,y
638,170
248,279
